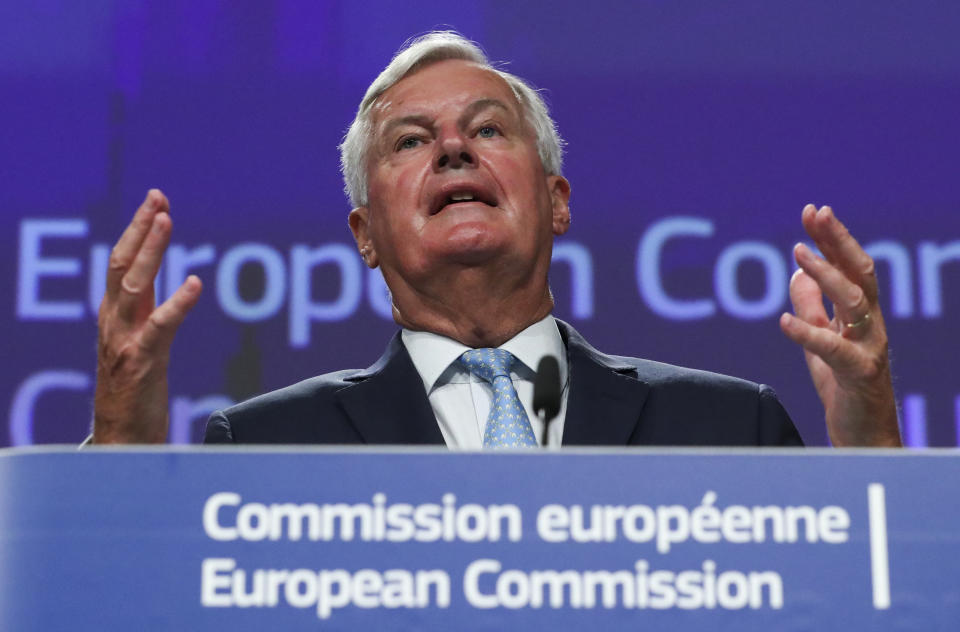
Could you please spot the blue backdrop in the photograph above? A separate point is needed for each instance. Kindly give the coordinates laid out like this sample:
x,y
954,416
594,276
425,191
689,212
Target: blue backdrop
x,y
697,131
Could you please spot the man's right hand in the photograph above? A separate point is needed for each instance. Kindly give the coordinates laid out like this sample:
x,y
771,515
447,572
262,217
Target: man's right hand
x,y
133,350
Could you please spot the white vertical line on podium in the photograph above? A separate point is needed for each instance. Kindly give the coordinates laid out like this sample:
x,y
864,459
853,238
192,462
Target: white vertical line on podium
x,y
879,562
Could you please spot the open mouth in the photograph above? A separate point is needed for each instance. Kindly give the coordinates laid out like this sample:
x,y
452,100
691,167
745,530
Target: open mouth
x,y
461,196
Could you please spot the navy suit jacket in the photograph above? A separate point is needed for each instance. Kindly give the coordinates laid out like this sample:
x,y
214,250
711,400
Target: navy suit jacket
x,y
612,400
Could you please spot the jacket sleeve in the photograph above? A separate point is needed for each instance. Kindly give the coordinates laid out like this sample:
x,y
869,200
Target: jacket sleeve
x,y
775,428
218,429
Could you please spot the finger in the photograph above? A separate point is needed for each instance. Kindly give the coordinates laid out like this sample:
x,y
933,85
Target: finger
x,y
807,300
136,287
849,300
815,228
160,328
840,247
815,364
837,352
126,248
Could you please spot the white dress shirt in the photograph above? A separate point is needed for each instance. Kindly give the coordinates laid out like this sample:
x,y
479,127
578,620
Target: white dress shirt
x,y
461,401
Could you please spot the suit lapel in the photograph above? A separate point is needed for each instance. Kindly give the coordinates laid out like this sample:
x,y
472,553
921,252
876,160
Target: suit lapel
x,y
605,396
387,403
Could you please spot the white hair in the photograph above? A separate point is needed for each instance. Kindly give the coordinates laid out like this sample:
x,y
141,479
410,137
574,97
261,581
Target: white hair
x,y
413,56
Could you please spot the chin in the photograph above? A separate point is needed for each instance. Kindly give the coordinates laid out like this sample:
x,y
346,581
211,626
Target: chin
x,y
475,255
474,237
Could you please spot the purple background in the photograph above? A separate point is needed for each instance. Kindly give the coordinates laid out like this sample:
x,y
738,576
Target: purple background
x,y
736,113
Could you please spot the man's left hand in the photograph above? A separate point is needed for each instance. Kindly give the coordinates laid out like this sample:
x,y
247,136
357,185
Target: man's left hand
x,y
846,354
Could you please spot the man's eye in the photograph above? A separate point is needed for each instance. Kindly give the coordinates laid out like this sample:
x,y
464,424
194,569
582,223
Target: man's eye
x,y
487,132
408,143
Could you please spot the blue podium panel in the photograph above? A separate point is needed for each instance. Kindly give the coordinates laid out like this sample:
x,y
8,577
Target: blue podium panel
x,y
220,539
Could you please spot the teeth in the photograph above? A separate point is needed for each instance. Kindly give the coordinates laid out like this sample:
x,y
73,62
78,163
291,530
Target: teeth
x,y
460,197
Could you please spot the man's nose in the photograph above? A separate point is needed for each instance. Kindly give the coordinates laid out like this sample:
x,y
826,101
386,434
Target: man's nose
x,y
454,153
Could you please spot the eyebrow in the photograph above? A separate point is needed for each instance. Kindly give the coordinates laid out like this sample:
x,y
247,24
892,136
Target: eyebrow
x,y
478,106
413,119
422,120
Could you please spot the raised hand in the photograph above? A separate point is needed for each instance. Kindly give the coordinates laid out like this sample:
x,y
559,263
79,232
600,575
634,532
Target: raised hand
x,y
133,350
846,354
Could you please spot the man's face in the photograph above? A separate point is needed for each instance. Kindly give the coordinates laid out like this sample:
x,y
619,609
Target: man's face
x,y
455,179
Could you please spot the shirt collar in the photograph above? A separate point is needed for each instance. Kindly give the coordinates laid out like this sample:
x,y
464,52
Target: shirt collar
x,y
432,354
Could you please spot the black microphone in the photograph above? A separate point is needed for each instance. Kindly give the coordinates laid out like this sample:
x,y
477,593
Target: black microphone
x,y
546,392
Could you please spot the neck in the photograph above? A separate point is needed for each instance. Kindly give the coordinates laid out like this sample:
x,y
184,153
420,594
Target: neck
x,y
475,308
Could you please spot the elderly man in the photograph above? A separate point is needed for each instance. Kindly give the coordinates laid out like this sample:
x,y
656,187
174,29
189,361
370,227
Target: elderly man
x,y
454,170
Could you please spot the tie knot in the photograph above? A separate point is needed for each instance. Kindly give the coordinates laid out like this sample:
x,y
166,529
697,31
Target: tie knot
x,y
488,363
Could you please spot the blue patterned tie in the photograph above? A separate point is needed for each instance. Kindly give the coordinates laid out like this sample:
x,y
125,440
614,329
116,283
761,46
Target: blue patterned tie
x,y
507,423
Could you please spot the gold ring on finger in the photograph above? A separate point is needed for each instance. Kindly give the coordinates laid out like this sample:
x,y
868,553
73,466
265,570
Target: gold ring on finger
x,y
858,324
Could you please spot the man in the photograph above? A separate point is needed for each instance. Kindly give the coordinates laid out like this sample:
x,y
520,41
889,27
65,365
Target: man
x,y
453,169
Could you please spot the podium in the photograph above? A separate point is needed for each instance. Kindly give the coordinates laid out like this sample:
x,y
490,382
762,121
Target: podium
x,y
196,538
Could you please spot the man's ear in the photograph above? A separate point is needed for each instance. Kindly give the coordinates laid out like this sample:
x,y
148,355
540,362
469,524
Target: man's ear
x,y
560,199
359,226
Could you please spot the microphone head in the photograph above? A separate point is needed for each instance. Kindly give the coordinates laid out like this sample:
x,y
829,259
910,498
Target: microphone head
x,y
546,388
